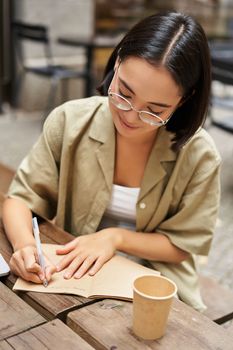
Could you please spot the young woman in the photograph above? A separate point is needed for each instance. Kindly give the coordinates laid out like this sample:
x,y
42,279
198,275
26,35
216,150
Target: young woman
x,y
132,172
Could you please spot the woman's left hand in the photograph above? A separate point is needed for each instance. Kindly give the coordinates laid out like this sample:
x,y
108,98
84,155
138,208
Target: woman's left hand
x,y
87,252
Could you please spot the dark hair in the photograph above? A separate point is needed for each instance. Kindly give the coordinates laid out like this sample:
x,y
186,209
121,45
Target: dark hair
x,y
177,42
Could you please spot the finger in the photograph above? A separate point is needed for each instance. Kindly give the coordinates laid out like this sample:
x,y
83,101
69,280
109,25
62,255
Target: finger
x,y
30,263
97,266
49,271
32,277
61,265
28,276
88,262
18,268
67,248
74,266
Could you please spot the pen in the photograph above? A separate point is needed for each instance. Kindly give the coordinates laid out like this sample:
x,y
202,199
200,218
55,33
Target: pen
x,y
38,247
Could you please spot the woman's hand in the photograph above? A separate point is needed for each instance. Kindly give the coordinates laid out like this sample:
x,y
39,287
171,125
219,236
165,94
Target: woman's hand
x,y
88,252
24,263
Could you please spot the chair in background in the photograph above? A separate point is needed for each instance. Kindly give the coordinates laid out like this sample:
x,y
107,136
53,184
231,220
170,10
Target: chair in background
x,y
222,71
39,34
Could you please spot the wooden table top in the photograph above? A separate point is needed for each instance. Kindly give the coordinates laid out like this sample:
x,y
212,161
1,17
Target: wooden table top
x,y
108,325
16,315
49,336
103,324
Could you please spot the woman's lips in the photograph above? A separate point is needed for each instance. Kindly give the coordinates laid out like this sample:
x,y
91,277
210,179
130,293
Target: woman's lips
x,y
126,125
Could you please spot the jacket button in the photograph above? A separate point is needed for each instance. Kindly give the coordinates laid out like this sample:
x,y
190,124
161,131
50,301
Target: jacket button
x,y
142,205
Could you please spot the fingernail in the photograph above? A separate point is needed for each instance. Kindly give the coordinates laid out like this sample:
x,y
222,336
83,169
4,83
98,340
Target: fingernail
x,y
58,268
41,276
67,275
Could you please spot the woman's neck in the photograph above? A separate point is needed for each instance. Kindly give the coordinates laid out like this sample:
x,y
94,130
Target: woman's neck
x,y
143,142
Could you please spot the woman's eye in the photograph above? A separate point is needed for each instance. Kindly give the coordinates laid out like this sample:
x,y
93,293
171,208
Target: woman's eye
x,y
157,113
123,95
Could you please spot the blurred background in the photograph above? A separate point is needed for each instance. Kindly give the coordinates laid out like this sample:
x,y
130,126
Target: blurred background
x,y
55,50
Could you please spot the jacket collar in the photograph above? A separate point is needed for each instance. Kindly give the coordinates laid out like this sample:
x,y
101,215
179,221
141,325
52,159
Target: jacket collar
x,y
102,128
103,131
160,154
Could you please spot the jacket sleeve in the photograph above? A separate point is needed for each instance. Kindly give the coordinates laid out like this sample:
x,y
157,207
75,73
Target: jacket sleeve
x,y
192,225
36,180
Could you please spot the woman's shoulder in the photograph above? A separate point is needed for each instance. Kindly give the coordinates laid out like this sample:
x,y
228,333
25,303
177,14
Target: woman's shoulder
x,y
75,114
203,142
201,151
79,108
67,121
83,104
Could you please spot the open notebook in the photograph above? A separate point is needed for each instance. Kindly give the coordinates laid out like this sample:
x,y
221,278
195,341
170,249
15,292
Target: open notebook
x,y
114,280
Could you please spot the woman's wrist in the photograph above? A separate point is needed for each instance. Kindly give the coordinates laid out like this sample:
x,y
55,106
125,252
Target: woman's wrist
x,y
19,245
117,237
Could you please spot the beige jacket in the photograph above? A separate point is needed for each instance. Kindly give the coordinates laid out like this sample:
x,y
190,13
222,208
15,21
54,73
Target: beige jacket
x,y
69,174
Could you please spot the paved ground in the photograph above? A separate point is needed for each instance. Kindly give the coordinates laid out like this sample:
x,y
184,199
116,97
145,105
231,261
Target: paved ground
x,y
18,132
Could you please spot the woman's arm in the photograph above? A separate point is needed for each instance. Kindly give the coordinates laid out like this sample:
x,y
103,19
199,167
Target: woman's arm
x,y
149,246
17,220
93,250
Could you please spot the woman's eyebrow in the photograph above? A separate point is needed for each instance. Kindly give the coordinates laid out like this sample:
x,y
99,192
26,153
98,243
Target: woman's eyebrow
x,y
153,103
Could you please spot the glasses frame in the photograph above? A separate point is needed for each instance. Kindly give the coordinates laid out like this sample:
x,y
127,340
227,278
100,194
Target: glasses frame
x,y
161,122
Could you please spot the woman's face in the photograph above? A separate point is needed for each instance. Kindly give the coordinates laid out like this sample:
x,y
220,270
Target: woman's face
x,y
147,88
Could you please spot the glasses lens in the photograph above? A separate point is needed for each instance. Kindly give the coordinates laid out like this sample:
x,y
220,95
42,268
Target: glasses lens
x,y
119,101
150,118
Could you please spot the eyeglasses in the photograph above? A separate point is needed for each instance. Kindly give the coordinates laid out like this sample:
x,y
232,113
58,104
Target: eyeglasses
x,y
123,104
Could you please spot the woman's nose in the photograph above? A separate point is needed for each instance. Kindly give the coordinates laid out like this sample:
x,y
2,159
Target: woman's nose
x,y
131,116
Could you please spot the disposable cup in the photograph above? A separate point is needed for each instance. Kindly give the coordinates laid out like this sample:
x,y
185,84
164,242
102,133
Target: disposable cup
x,y
152,298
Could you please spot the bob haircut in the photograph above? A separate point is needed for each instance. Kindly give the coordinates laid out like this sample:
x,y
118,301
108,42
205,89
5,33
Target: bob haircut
x,y
177,42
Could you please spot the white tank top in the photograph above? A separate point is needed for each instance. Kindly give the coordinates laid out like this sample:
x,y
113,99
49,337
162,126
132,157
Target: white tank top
x,y
121,211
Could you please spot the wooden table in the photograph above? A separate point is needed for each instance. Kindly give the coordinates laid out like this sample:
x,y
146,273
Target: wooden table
x,y
34,318
16,315
51,335
108,325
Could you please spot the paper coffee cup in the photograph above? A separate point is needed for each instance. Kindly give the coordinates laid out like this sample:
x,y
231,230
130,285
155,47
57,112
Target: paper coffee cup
x,y
152,298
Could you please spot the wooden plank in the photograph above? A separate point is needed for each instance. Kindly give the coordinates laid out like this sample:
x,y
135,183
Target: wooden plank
x,y
108,325
50,336
16,315
229,328
1,201
6,176
218,299
4,345
49,305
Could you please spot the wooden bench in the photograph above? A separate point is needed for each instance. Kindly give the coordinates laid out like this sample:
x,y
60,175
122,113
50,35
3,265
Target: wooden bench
x,y
6,176
218,299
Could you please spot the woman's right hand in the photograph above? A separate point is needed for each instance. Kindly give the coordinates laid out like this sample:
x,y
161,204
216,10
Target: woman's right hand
x,y
24,263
